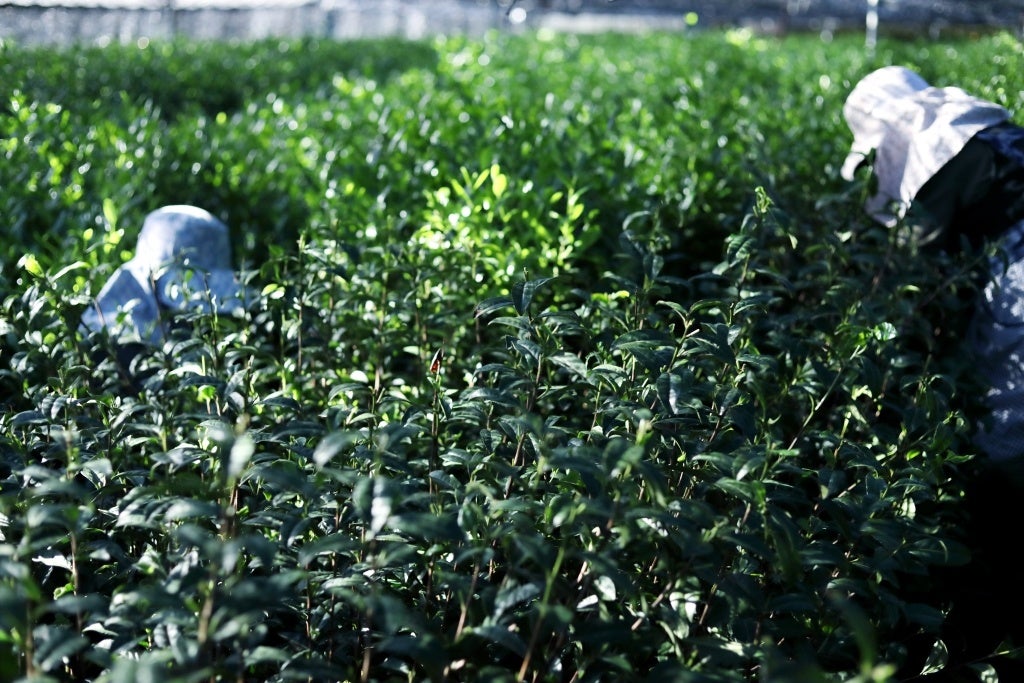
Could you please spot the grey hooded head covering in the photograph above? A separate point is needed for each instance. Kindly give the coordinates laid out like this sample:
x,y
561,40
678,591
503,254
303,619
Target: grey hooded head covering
x,y
914,130
182,262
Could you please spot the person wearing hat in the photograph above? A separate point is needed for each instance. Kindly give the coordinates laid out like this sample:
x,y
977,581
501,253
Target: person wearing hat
x,y
182,262
946,161
950,166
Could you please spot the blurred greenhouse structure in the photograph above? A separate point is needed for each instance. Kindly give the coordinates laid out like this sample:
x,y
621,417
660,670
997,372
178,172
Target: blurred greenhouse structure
x,y
101,21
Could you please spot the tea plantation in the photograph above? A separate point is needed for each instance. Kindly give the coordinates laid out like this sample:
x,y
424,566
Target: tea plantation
x,y
571,359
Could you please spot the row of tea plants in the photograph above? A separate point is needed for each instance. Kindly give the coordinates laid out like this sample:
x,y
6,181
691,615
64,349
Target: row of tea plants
x,y
571,358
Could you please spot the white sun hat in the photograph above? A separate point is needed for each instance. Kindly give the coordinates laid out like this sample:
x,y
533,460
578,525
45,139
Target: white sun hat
x,y
182,262
913,128
868,107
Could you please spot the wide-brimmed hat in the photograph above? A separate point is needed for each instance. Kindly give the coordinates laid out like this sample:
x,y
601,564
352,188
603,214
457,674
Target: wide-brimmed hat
x,y
913,130
182,262
869,105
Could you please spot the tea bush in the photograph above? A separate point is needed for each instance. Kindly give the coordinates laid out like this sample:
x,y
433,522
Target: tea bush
x,y
572,359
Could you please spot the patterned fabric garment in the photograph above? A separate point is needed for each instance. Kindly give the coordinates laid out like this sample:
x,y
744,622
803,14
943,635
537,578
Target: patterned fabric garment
x,y
1006,196
997,329
997,339
978,194
1007,139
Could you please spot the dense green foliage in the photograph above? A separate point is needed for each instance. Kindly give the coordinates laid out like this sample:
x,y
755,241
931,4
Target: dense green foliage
x,y
572,359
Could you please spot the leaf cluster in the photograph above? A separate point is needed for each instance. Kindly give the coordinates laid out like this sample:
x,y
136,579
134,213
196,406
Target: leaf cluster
x,y
565,363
